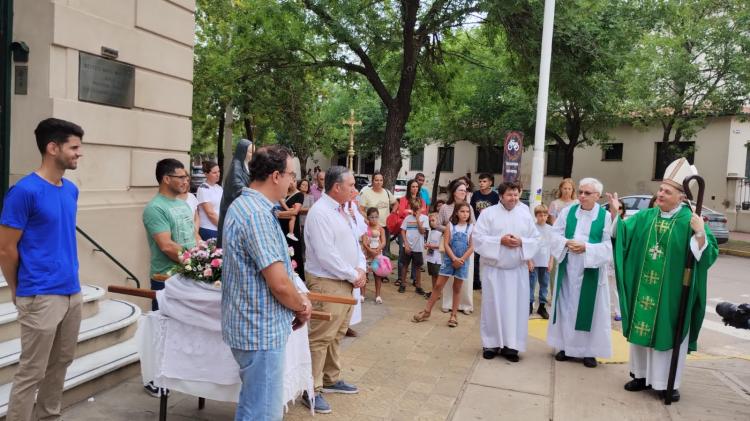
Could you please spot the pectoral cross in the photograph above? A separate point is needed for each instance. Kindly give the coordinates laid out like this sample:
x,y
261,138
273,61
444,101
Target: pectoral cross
x,y
642,328
647,303
351,122
655,252
651,278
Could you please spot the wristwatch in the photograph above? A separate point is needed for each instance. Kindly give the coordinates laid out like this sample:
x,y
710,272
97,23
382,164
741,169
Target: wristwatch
x,y
700,234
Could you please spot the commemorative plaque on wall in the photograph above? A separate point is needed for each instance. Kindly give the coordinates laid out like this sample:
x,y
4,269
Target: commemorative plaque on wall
x,y
105,81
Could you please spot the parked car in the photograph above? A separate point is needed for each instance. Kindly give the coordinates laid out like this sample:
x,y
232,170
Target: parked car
x,y
716,221
399,188
197,177
360,181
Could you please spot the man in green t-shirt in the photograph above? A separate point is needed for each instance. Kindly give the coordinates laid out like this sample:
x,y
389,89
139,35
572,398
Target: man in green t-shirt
x,y
168,220
169,227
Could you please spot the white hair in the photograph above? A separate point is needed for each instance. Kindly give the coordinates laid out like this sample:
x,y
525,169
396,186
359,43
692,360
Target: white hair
x,y
588,181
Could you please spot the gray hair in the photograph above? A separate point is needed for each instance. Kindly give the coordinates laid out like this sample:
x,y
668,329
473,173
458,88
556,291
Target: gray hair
x,y
588,181
335,175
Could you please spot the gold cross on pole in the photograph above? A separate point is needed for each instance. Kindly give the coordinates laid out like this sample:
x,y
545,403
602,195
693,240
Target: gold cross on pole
x,y
351,122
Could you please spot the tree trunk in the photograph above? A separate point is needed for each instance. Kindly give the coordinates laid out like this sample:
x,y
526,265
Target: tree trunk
x,y
391,157
228,152
248,123
569,149
442,154
302,165
220,143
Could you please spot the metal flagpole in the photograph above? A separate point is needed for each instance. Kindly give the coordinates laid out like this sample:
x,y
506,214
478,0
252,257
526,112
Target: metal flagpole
x,y
537,170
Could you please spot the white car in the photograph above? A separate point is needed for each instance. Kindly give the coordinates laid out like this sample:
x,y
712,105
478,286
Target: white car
x,y
399,188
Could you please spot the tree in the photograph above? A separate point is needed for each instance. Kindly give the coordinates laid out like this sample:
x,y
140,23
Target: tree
x,y
692,65
475,97
591,42
386,43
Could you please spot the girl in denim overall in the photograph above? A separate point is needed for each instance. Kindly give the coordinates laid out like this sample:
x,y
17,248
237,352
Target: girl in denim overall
x,y
458,249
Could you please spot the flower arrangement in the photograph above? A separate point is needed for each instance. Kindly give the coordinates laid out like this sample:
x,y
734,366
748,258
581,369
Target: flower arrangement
x,y
201,263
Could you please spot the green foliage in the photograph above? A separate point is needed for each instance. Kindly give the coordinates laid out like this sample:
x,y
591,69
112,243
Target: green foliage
x,y
691,65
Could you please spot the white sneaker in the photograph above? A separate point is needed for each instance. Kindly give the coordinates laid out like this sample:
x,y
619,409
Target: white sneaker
x,y
361,298
378,300
292,237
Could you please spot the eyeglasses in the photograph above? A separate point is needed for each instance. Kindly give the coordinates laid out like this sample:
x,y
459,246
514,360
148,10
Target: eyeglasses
x,y
181,177
460,190
289,173
372,217
586,193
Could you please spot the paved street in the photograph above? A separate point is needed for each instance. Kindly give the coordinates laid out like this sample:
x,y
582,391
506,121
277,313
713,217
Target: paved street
x,y
429,371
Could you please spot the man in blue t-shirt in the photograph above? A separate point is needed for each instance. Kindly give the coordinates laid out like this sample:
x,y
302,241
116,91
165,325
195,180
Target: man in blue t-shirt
x,y
39,260
423,193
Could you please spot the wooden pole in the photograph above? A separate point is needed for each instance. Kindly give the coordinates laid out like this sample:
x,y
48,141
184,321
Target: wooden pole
x,y
147,293
687,279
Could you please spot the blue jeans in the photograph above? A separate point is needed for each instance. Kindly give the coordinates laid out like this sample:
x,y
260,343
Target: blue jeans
x,y
156,286
543,274
262,375
206,233
401,253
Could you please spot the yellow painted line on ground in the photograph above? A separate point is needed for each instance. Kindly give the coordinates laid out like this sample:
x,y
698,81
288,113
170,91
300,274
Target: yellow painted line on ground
x,y
620,347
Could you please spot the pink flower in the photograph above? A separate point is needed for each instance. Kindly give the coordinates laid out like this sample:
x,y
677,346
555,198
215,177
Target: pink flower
x,y
216,263
294,265
185,256
208,272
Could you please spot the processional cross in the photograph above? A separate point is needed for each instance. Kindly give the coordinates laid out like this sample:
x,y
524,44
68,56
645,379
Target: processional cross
x,y
351,122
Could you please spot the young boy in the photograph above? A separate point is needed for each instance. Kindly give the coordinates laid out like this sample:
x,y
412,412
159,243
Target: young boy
x,y
541,262
413,231
481,200
434,258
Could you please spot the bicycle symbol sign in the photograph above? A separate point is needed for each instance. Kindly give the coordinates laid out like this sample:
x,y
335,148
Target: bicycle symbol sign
x,y
513,145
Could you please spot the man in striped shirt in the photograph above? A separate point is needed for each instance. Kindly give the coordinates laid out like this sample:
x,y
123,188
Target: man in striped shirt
x,y
259,304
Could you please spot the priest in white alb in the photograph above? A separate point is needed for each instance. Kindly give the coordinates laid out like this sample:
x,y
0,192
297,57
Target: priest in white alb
x,y
505,237
580,325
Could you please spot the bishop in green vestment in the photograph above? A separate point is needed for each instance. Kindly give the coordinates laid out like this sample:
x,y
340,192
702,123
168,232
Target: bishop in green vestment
x,y
650,252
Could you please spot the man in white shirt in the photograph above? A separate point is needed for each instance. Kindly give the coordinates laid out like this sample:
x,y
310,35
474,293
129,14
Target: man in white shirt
x,y
334,265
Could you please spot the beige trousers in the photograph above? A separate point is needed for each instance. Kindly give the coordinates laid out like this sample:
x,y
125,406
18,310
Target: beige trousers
x,y
325,336
49,334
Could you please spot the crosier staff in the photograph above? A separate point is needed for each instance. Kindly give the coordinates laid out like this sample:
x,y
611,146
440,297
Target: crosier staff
x,y
687,280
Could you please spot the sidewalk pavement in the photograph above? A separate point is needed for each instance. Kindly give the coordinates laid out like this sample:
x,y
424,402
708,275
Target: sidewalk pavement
x,y
428,371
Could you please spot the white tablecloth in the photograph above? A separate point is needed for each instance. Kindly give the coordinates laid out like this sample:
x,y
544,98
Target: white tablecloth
x,y
184,355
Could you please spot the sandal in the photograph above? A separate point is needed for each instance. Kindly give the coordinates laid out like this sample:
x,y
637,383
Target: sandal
x,y
452,322
422,316
397,283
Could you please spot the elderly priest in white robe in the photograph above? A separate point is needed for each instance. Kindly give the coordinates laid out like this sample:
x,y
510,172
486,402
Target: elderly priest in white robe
x,y
505,237
580,325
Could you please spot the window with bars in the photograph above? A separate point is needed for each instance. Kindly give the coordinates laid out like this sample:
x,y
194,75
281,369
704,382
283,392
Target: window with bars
x,y
666,152
612,152
555,160
448,162
416,160
489,159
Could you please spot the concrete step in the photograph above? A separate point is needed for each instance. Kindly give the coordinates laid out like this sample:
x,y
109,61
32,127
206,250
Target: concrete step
x,y
88,368
114,323
4,290
10,329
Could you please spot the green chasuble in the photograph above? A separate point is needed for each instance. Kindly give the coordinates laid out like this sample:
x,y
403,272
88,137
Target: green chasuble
x,y
650,254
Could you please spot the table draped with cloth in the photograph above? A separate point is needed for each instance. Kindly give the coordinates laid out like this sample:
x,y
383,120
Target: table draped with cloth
x,y
181,348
